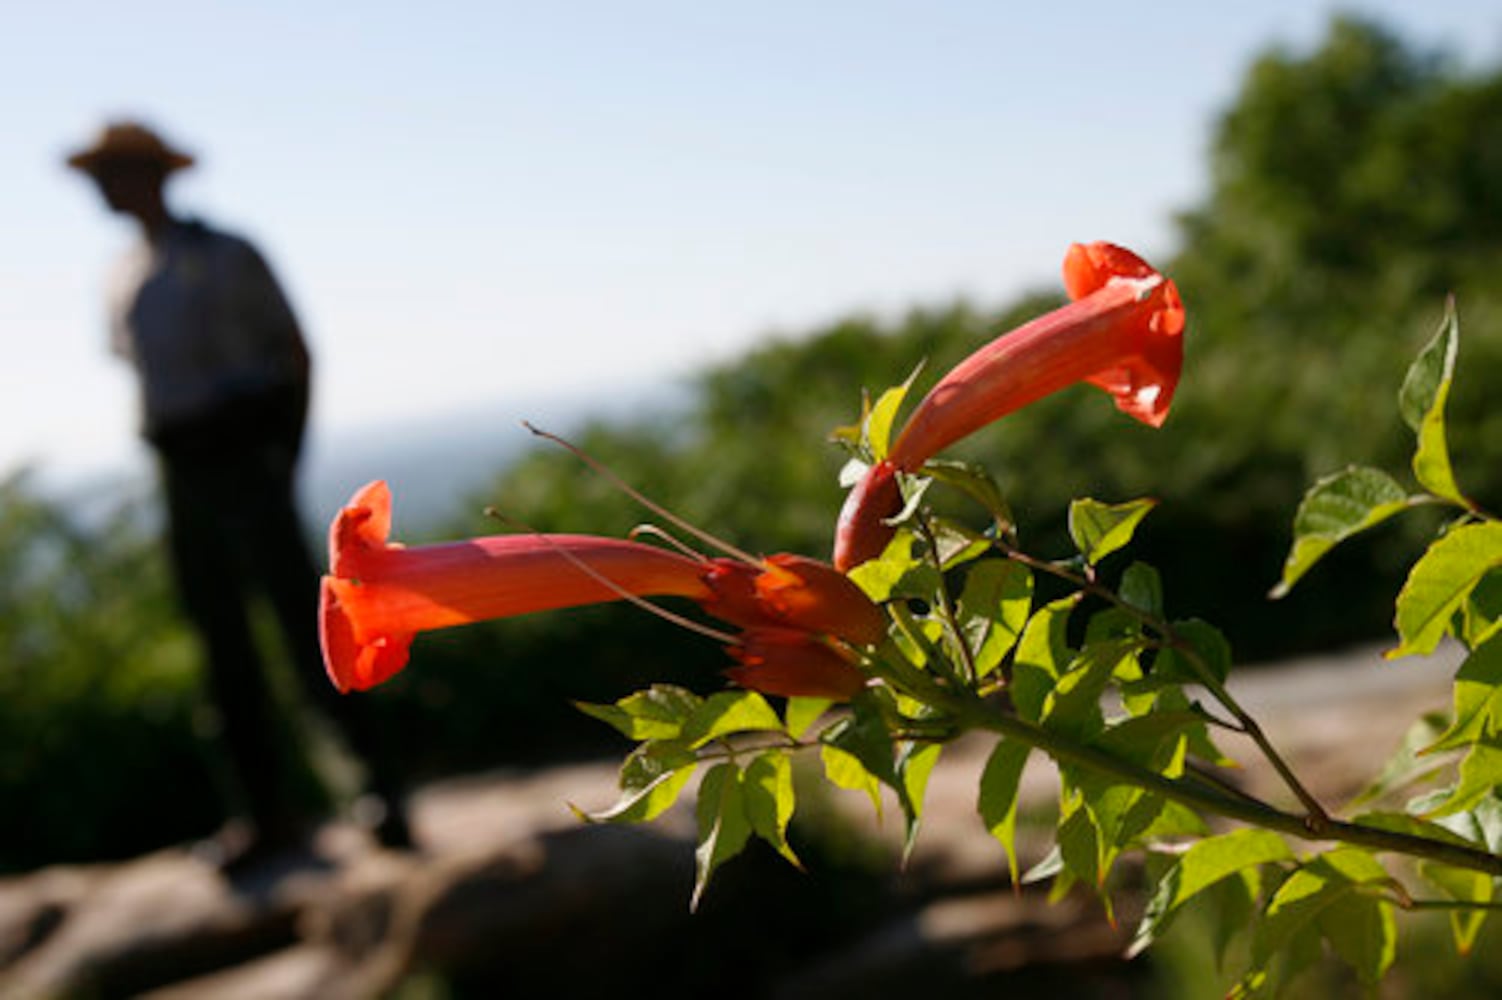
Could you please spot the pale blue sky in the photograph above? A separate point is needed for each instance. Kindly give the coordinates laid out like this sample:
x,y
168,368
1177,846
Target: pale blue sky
x,y
488,202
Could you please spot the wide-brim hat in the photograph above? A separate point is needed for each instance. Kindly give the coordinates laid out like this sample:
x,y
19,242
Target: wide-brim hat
x,y
124,142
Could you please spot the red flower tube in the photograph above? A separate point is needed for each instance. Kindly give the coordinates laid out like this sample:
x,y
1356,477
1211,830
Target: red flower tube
x,y
379,595
797,592
1123,333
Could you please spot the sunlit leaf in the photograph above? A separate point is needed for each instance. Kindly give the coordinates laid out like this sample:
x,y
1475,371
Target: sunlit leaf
x,y
1042,655
1335,508
767,784
651,779
1480,773
878,422
724,827
802,713
902,570
1422,402
993,609
727,712
1359,926
914,766
844,770
1098,529
1478,699
999,785
1440,582
1205,863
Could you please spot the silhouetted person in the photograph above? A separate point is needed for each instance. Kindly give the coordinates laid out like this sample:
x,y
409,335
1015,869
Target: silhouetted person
x,y
224,377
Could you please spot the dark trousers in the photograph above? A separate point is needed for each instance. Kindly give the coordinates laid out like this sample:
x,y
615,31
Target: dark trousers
x,y
234,534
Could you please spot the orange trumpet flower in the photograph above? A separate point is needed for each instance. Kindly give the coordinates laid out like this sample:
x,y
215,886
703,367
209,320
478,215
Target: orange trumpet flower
x,y
1122,332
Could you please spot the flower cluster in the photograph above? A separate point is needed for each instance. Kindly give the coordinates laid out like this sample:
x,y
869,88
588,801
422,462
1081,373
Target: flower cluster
x,y
803,626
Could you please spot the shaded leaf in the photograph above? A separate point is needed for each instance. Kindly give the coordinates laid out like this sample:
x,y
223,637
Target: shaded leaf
x,y
1335,508
997,804
914,766
1477,699
1042,655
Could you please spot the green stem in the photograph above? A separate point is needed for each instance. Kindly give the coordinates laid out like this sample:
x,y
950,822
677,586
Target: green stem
x,y
1315,815
1209,799
946,602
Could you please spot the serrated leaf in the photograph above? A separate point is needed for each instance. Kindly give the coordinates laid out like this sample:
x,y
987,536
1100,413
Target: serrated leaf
x,y
724,827
1477,699
1080,847
727,712
651,779
1204,864
768,787
1441,581
1422,402
1098,529
993,610
997,803
1336,507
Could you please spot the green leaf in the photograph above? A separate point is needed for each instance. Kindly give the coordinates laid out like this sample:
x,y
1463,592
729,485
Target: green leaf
x,y
1480,773
1483,611
658,713
1364,932
914,766
1321,896
975,482
878,422
1209,645
1468,887
730,712
802,713
1073,706
724,827
993,609
999,784
651,779
1335,508
1042,655
1142,588
1441,581
768,787
1080,847
1422,402
1478,699
1204,864
1397,822
1098,529
902,570
845,770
